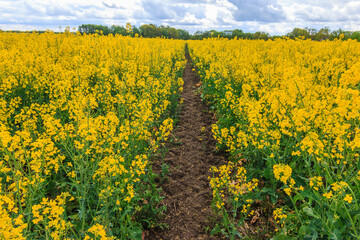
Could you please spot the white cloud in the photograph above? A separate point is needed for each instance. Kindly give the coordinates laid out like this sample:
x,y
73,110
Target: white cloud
x,y
321,11
273,16
211,13
189,19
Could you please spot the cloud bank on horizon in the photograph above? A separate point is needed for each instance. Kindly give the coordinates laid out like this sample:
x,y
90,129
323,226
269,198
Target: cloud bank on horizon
x,y
272,16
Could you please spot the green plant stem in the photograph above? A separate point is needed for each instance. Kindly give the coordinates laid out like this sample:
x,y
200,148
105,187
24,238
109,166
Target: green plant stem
x,y
352,223
296,210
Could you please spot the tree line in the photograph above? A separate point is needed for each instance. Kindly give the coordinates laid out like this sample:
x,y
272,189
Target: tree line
x,y
323,34
145,30
305,33
153,31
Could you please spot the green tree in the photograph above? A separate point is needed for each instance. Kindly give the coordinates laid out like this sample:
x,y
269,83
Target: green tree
x,y
135,31
322,34
298,32
261,35
93,28
116,29
238,33
183,34
150,31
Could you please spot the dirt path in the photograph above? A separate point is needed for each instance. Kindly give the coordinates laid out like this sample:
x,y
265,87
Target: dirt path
x,y
187,192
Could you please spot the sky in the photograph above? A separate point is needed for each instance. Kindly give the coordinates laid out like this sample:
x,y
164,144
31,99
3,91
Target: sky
x,y
273,16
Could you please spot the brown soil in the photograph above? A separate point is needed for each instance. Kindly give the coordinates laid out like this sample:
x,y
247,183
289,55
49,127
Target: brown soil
x,y
187,194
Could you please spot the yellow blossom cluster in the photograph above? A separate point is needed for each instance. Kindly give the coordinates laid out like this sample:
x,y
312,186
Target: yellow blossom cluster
x,y
279,215
11,227
231,181
316,182
98,232
282,173
48,216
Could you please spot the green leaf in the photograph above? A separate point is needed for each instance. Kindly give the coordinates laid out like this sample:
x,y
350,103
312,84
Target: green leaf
x,y
297,197
136,234
273,199
310,212
352,213
282,236
216,230
306,193
272,193
330,217
315,236
304,230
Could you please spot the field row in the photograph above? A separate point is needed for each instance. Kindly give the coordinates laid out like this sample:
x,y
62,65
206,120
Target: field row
x,y
80,117
288,113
